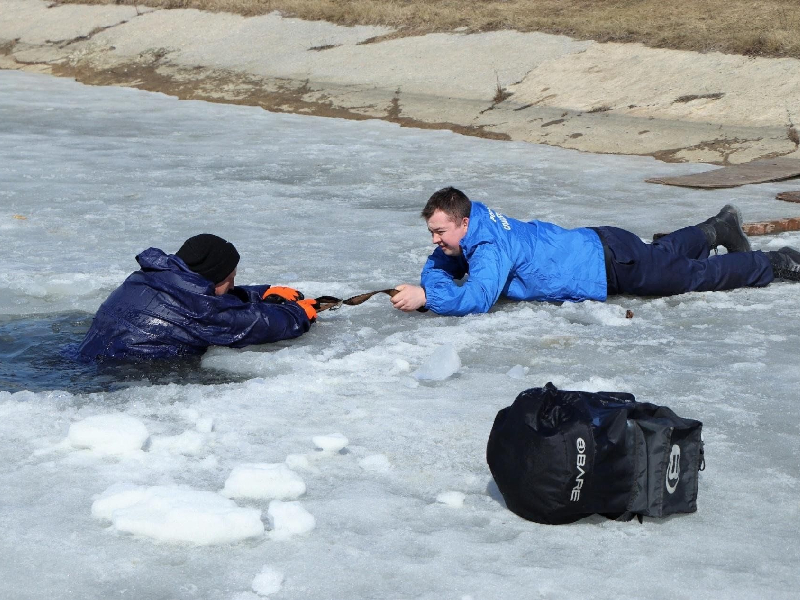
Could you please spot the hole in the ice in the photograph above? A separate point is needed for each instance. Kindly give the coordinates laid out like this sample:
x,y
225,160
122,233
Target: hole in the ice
x,y
35,356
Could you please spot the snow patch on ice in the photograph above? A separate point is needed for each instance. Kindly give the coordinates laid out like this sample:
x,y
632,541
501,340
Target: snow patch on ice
x,y
268,581
189,443
595,313
517,372
400,366
440,365
204,425
114,434
330,443
451,499
177,514
209,462
597,384
264,481
409,382
288,519
376,462
302,462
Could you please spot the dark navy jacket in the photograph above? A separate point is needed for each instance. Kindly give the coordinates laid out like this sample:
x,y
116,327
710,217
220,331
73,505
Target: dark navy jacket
x,y
166,310
522,261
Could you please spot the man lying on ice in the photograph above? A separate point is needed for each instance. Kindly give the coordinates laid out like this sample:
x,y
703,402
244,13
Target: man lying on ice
x,y
541,261
180,304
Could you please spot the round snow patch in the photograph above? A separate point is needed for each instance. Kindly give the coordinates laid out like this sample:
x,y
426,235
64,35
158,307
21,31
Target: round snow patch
x,y
517,372
440,365
451,499
400,366
205,425
269,481
330,443
269,581
298,461
108,434
288,519
375,462
177,514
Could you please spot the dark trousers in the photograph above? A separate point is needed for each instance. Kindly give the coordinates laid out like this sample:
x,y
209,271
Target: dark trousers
x,y
675,264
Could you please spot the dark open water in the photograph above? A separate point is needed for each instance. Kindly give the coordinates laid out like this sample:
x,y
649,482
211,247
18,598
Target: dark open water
x,y
35,356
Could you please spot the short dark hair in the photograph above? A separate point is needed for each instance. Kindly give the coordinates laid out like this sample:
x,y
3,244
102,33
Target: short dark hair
x,y
454,203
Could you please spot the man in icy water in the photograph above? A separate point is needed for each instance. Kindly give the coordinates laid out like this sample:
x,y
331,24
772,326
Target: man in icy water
x,y
180,304
541,261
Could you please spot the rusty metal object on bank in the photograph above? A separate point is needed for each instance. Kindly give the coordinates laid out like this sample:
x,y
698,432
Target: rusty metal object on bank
x,y
762,227
757,171
774,226
789,196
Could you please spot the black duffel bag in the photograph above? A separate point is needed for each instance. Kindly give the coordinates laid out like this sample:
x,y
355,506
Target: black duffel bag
x,y
558,456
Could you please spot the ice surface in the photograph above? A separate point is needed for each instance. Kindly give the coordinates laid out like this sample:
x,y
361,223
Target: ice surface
x,y
264,481
440,365
288,519
108,434
177,514
332,207
268,581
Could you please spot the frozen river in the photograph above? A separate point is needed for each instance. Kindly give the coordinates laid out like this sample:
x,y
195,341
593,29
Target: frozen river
x,y
386,492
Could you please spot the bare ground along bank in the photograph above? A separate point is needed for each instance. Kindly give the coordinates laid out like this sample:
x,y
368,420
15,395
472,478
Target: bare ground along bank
x,y
749,27
598,97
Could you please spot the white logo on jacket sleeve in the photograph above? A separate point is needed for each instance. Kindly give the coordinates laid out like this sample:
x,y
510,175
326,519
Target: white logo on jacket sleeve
x,y
580,463
495,217
674,470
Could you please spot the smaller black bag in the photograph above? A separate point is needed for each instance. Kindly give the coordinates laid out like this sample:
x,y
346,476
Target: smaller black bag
x,y
558,456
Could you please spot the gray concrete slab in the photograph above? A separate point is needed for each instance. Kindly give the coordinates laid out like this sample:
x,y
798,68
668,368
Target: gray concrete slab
x,y
613,98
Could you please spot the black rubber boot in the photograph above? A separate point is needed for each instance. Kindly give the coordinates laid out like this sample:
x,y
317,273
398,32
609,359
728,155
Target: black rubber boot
x,y
785,263
725,229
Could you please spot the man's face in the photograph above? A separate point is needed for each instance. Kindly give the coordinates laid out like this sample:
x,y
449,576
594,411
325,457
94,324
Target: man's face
x,y
446,232
223,286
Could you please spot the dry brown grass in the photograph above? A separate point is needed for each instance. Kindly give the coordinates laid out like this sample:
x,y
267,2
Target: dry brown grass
x,y
749,27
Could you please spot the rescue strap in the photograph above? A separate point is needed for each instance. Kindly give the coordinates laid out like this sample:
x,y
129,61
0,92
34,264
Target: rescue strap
x,y
334,303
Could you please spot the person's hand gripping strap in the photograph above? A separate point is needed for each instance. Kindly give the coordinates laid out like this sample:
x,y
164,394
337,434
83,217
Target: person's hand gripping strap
x,y
310,305
278,294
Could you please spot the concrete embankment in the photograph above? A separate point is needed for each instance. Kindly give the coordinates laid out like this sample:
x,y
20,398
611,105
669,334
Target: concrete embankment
x,y
610,98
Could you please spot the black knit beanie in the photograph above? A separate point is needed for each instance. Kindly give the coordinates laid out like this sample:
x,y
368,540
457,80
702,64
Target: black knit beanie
x,y
210,256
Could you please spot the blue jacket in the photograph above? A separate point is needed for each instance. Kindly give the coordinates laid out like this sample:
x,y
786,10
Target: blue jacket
x,y
522,261
166,310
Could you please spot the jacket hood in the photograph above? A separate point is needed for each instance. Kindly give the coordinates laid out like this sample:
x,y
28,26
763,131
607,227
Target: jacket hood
x,y
154,259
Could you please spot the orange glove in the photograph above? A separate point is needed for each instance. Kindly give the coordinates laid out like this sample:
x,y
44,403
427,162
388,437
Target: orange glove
x,y
278,294
310,305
